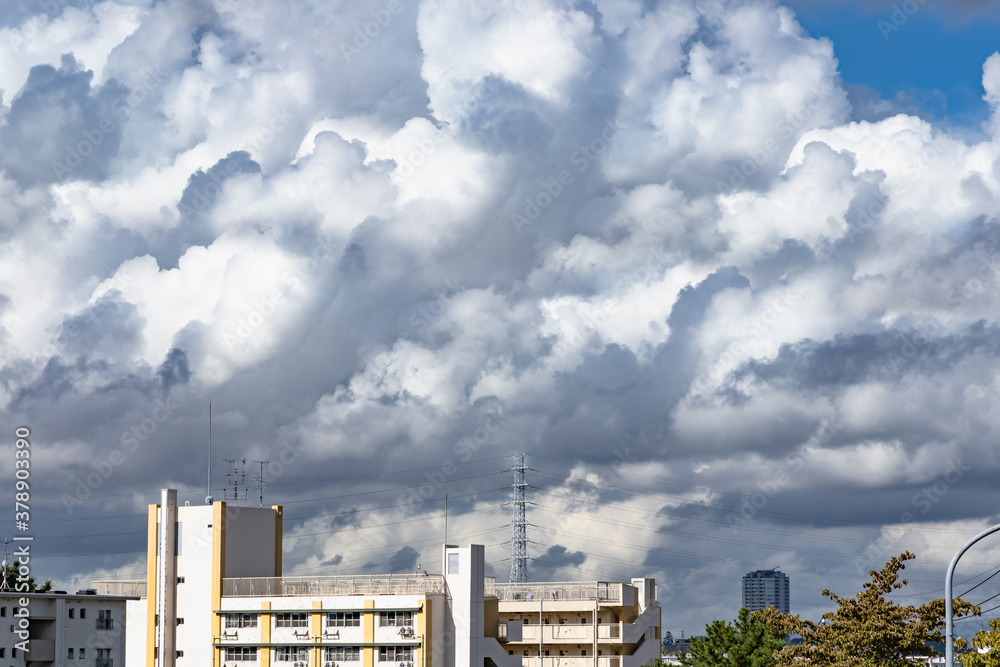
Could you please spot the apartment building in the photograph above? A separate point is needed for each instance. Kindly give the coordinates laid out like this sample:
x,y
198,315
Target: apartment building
x,y
215,595
766,588
582,624
62,630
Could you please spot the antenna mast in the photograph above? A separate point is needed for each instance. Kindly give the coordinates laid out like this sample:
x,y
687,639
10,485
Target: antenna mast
x,y
519,523
208,498
260,481
235,477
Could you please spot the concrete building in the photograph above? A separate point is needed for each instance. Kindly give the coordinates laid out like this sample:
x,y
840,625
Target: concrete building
x,y
62,630
766,588
582,624
216,596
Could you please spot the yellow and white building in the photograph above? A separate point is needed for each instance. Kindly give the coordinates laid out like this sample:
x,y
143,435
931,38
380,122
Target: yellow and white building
x,y
582,624
215,595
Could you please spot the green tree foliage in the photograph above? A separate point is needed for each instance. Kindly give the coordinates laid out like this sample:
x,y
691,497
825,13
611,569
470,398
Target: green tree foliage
x,y
866,630
984,639
12,582
746,642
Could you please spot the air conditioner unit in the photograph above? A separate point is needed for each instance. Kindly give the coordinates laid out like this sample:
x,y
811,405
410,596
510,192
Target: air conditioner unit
x,y
406,632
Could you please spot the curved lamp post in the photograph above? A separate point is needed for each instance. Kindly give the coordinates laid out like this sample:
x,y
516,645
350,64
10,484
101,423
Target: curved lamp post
x,y
949,622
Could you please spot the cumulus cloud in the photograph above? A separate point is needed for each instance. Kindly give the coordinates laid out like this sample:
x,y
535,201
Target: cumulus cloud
x,y
734,321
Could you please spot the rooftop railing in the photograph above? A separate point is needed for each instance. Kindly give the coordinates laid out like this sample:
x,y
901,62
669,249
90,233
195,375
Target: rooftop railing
x,y
599,590
385,584
135,588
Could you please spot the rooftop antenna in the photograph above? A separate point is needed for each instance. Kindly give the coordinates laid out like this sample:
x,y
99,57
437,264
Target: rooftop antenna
x,y
260,481
208,498
236,477
445,518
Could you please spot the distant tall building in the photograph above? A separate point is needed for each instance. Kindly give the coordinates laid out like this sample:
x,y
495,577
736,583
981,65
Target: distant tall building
x,y
765,588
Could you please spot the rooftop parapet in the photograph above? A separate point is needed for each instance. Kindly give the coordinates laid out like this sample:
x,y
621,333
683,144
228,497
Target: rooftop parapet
x,y
377,584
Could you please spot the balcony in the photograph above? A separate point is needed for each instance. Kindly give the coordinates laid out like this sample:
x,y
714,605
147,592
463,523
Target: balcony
x,y
573,634
388,584
572,661
132,589
104,662
573,591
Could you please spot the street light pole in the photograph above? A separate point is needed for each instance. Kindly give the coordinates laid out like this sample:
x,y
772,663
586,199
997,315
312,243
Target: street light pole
x,y
949,650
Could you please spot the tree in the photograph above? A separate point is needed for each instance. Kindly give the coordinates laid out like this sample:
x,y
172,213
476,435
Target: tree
x,y
984,639
746,642
866,630
12,583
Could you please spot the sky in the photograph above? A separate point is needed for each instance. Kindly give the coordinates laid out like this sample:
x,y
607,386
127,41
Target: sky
x,y
726,271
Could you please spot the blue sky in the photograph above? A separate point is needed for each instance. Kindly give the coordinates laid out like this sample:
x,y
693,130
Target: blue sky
x,y
929,62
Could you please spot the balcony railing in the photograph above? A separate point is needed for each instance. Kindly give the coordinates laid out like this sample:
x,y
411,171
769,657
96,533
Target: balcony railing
x,y
135,589
389,584
598,590
104,662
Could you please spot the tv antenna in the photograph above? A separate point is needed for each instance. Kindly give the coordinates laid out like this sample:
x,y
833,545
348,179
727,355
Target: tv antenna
x,y
208,498
260,481
236,478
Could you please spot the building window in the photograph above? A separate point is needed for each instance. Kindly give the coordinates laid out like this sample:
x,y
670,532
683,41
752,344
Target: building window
x,y
395,618
71,612
395,653
83,612
3,652
179,654
3,611
180,621
584,653
452,563
291,654
344,619
343,653
238,620
103,658
180,580
241,653
293,620
104,621
69,654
